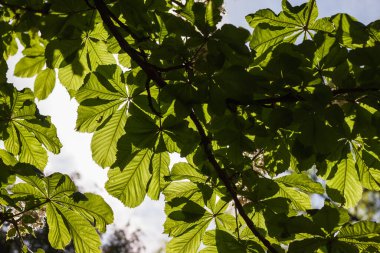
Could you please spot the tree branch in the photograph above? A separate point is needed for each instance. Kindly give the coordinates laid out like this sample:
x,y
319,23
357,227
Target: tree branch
x,y
155,76
133,53
125,27
206,143
294,97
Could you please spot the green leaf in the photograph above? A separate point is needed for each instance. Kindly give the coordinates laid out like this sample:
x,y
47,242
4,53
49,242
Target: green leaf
x,y
368,166
272,30
44,83
307,245
29,66
90,206
160,170
330,219
361,229
223,242
98,54
344,180
185,190
298,200
302,182
129,184
184,170
59,235
85,238
104,141
31,150
72,75
91,117
7,158
187,222
190,241
70,214
349,31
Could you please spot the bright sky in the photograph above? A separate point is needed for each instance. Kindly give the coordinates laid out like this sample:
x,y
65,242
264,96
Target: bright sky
x,y
76,156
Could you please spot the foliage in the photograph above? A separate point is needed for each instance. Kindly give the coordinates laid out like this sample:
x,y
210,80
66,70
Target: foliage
x,y
253,122
118,242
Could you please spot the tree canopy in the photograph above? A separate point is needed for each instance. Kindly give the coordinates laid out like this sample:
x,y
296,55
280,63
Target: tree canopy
x,y
265,118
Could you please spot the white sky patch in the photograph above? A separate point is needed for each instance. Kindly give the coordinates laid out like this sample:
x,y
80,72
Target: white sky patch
x,y
76,155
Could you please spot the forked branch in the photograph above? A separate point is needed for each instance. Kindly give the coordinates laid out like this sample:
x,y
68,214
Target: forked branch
x,y
154,74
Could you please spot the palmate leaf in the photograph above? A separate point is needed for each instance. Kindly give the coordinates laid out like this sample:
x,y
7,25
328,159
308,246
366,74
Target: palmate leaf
x,y
89,51
104,104
70,215
28,131
271,29
189,216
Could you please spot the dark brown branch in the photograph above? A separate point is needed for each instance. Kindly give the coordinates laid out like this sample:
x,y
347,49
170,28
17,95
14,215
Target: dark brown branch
x,y
133,53
353,90
125,27
150,99
206,143
155,76
294,97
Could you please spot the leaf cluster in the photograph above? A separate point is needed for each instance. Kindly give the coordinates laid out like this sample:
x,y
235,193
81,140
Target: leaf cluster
x,y
265,119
